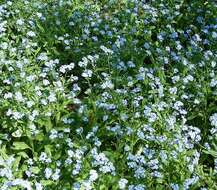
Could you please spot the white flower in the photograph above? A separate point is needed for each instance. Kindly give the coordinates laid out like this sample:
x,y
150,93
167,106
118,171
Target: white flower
x,y
83,63
48,172
38,186
52,97
31,34
8,95
30,104
93,175
56,175
20,22
213,83
213,64
18,97
39,14
30,78
44,102
173,90
4,45
43,156
54,134
76,186
87,73
196,101
17,133
86,185
213,120
214,34
107,84
9,3
42,57
17,115
106,50
20,182
122,183
46,82
9,112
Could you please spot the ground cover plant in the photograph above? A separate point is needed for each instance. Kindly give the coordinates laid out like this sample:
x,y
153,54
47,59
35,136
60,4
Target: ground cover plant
x,y
108,95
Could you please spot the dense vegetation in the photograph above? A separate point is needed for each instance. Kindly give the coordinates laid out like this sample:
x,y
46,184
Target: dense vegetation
x,y
108,95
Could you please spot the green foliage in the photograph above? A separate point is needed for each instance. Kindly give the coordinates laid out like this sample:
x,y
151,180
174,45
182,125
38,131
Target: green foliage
x,y
108,95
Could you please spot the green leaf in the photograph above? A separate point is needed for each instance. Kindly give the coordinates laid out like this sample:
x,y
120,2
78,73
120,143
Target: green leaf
x,y
48,149
48,125
35,170
3,152
23,154
3,137
211,152
103,187
46,182
20,146
16,162
39,137
40,27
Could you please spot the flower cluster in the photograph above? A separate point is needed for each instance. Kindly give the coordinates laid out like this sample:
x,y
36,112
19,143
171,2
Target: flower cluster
x,y
108,95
